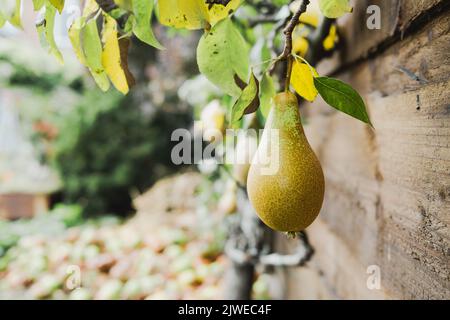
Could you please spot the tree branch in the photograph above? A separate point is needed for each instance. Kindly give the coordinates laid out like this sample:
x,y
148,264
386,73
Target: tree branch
x,y
300,257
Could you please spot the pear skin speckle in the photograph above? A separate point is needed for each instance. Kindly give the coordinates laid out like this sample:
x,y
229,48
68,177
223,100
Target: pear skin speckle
x,y
289,199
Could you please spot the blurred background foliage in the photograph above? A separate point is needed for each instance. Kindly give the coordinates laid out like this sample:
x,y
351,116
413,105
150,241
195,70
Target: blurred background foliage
x,y
104,146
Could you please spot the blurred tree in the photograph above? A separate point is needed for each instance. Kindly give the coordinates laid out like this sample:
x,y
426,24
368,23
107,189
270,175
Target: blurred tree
x,y
105,146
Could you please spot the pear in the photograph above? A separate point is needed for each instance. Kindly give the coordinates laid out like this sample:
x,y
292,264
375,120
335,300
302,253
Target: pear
x,y
285,182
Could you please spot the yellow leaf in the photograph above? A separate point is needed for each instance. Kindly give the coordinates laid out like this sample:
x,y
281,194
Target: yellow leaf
x,y
331,39
310,18
111,58
193,14
335,8
219,12
300,46
188,14
302,80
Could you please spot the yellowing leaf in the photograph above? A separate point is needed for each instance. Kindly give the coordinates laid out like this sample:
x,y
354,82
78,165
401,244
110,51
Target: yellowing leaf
x,y
193,14
92,48
75,39
75,30
334,8
188,14
302,80
57,4
111,57
331,39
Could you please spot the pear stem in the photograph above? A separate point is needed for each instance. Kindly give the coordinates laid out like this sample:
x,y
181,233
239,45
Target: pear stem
x,y
287,80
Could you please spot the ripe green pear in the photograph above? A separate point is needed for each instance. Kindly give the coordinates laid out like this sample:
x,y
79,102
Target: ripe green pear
x,y
285,183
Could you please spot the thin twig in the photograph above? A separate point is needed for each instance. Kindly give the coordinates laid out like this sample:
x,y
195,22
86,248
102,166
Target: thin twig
x,y
286,55
290,28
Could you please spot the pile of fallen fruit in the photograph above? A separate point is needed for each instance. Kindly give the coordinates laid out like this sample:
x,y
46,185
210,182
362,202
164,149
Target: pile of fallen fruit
x,y
168,250
114,260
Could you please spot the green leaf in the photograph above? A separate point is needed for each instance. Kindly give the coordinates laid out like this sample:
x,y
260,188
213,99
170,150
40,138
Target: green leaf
x,y
267,92
248,101
50,13
142,26
74,33
57,4
45,31
334,8
222,53
343,97
92,46
38,4
15,18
